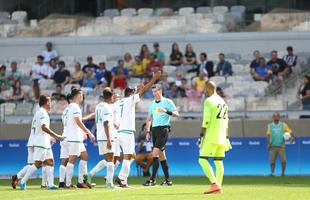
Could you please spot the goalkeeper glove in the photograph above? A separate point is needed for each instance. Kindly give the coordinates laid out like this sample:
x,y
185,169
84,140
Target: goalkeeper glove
x,y
200,139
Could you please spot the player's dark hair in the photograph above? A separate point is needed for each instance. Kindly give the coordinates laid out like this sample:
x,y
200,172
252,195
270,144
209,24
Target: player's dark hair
x,y
289,48
43,99
129,91
256,51
222,54
107,93
75,91
273,51
307,77
40,57
68,98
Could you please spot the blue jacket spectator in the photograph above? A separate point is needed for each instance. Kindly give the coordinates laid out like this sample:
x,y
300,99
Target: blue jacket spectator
x,y
263,72
224,68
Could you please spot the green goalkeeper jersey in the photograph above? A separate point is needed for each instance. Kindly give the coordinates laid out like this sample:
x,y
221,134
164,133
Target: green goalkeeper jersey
x,y
215,120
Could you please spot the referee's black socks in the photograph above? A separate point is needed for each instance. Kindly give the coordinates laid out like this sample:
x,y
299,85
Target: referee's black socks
x,y
164,166
155,168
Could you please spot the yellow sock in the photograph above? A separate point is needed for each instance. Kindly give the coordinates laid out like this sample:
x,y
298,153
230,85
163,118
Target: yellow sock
x,y
207,169
219,167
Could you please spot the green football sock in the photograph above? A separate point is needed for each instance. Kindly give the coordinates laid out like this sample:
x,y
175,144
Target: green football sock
x,y
219,171
207,169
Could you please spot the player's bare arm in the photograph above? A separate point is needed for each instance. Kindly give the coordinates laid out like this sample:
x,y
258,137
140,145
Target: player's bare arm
x,y
80,124
155,77
107,133
52,133
148,127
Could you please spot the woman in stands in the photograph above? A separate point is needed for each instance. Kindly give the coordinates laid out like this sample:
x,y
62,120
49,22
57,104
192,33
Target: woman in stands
x,y
304,92
144,51
190,55
176,57
17,93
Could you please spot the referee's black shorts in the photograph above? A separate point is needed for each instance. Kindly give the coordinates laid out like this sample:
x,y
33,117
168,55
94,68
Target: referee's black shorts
x,y
160,136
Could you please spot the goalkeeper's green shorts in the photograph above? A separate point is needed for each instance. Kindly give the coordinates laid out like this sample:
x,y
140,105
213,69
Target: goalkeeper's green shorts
x,y
211,150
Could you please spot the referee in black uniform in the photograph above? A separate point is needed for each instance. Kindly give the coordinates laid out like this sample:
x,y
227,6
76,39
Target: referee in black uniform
x,y
160,112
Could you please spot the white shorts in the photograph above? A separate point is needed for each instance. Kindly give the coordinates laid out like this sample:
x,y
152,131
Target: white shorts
x,y
30,155
102,147
41,154
118,150
64,150
127,143
76,148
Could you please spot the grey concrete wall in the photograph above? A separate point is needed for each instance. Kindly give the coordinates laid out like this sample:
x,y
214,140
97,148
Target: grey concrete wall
x,y
190,128
118,45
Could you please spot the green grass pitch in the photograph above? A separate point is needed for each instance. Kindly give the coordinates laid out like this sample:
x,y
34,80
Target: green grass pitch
x,y
234,188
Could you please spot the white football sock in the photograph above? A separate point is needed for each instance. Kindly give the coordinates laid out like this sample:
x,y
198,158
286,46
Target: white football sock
x,y
100,165
110,172
116,164
123,175
50,175
44,176
69,174
22,172
29,173
82,170
62,173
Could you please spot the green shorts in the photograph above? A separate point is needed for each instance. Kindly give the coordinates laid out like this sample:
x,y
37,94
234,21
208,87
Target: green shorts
x,y
211,150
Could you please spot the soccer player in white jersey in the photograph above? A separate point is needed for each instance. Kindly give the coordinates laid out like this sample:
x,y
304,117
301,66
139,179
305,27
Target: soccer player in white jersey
x,y
42,143
105,136
125,134
75,135
64,149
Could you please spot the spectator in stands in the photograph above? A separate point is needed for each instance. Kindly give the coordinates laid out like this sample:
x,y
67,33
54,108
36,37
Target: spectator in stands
x,y
89,80
144,51
304,92
138,69
160,56
16,93
144,157
224,68
39,71
4,79
183,88
49,53
205,66
290,59
263,72
165,83
173,91
78,75
146,60
4,93
120,76
103,75
14,75
90,65
279,66
178,78
255,63
221,93
276,142
53,68
199,84
176,57
190,55
153,66
58,95
128,61
62,76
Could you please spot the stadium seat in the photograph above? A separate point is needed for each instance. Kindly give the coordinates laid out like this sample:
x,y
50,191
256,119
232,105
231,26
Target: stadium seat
x,y
69,60
31,60
238,12
121,25
218,79
170,70
46,84
8,108
18,60
19,16
186,11
129,12
203,10
220,9
111,13
145,12
4,16
164,12
67,88
99,58
26,88
23,109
